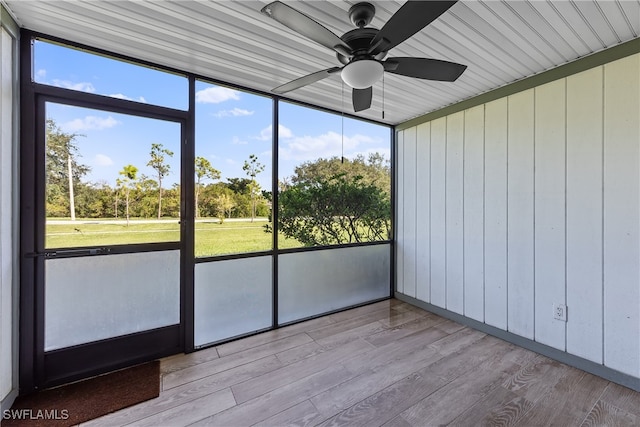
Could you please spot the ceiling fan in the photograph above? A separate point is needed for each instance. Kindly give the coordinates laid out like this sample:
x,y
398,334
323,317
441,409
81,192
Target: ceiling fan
x,y
363,49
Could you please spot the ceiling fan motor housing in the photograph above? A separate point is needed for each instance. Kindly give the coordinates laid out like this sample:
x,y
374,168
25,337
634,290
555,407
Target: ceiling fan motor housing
x,y
359,40
361,14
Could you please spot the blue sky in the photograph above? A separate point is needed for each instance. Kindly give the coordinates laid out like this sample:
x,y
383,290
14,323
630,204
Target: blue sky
x,y
230,124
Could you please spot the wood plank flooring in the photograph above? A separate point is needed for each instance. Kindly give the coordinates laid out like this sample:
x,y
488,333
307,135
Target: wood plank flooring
x,y
388,364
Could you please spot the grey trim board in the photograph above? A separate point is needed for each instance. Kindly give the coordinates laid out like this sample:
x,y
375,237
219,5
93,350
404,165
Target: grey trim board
x,y
582,64
8,400
553,353
7,21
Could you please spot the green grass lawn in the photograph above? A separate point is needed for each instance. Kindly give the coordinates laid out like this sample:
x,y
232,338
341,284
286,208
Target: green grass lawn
x,y
211,237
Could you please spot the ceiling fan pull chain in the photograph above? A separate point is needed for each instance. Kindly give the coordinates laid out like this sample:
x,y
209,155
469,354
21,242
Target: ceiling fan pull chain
x,y
383,97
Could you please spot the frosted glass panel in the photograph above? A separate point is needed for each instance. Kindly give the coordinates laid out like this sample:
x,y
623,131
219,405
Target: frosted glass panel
x,y
232,297
98,297
312,283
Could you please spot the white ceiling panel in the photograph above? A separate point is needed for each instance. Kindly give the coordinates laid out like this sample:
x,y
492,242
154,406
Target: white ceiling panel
x,y
231,41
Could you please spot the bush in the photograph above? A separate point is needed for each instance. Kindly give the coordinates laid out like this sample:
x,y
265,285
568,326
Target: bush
x,y
336,210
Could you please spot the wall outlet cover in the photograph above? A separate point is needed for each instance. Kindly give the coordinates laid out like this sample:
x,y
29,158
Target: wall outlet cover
x,y
560,312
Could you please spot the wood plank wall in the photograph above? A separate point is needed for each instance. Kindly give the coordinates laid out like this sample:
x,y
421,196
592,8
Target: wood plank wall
x,y
510,207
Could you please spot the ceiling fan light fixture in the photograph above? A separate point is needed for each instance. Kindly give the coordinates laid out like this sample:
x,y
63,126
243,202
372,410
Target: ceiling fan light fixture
x,y
362,74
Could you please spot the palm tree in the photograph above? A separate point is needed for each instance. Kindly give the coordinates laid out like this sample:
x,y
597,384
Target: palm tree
x,y
253,167
162,169
127,183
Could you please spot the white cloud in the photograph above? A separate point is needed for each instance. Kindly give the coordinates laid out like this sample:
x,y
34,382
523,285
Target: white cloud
x,y
122,96
90,123
236,112
230,161
81,86
102,160
266,154
326,145
41,74
238,141
216,95
267,133
284,132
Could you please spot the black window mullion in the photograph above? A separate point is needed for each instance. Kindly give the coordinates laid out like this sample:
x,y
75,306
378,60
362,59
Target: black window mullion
x,y
188,224
274,207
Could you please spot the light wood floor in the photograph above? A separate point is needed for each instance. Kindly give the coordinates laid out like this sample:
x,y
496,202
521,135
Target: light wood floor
x,y
383,364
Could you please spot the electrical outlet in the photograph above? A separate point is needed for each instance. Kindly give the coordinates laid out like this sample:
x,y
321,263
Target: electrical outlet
x,y
560,312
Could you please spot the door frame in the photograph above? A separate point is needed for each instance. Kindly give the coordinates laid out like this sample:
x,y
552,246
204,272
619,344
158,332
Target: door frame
x,y
40,369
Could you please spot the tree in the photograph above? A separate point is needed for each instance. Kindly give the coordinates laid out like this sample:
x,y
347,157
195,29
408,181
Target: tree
x,y
127,183
375,169
94,200
162,169
63,169
224,205
204,170
145,196
116,195
253,167
238,185
336,210
171,201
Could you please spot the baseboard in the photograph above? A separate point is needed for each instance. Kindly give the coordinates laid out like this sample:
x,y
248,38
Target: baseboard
x,y
553,353
8,400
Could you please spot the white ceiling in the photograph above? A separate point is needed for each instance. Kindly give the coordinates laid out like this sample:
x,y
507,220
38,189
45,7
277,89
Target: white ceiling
x,y
500,41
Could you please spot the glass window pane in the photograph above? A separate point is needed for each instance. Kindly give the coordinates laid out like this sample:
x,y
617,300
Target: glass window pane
x,y
70,68
312,283
94,298
334,179
110,178
233,171
232,298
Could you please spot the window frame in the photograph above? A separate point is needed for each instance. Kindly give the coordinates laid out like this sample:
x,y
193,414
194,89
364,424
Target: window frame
x,y
32,367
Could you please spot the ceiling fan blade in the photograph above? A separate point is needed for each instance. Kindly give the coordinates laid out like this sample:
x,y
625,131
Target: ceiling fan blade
x,y
362,99
424,68
306,80
412,17
301,23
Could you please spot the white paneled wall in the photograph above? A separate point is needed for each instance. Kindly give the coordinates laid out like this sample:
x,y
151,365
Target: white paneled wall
x,y
8,263
550,189
495,214
473,219
437,219
510,207
621,270
400,220
423,204
520,256
454,202
584,214
409,212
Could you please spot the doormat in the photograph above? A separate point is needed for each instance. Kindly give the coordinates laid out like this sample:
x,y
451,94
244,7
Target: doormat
x,y
85,400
